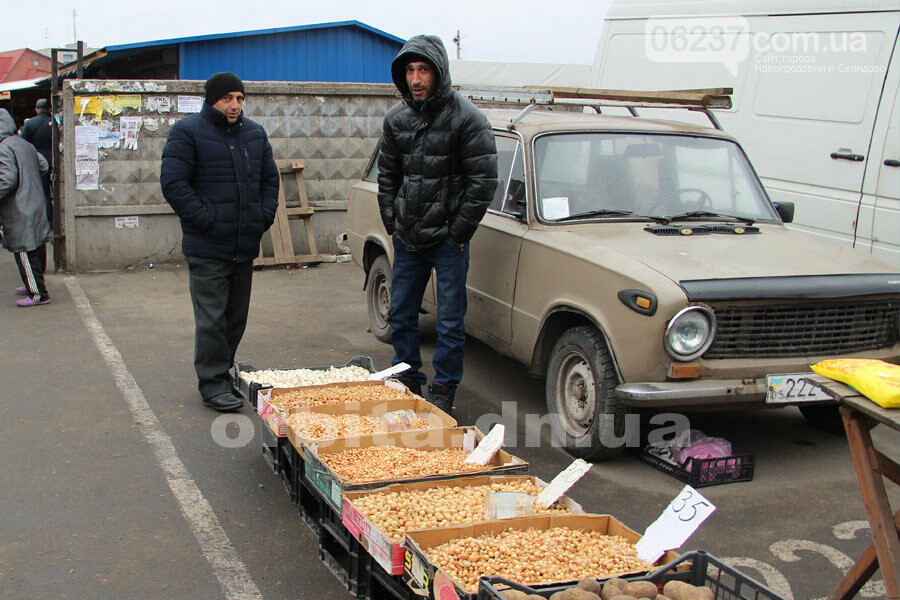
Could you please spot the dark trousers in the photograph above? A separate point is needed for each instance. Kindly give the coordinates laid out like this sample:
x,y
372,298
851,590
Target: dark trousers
x,y
411,272
31,268
220,294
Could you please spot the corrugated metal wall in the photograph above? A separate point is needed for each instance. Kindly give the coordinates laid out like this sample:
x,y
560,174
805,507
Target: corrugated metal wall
x,y
338,54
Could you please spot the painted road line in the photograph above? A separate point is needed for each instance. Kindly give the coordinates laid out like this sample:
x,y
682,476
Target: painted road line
x,y
229,569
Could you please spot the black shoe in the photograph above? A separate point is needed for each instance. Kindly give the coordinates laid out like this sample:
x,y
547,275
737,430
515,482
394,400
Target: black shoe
x,y
224,402
414,385
441,396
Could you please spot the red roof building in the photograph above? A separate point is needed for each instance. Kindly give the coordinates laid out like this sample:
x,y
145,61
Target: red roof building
x,y
16,65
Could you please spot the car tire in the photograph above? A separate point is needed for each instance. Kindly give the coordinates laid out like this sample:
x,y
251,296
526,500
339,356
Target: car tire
x,y
826,417
581,386
378,298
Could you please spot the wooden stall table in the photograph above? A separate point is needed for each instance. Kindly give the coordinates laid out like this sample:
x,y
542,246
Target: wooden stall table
x,y
861,414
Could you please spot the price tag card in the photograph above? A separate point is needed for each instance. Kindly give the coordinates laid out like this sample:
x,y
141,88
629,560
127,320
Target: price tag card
x,y
562,482
675,525
382,375
488,446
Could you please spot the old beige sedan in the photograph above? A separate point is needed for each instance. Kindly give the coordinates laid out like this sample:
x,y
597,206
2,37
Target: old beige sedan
x,y
640,263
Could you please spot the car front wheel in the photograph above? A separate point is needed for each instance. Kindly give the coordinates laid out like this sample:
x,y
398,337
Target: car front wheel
x,y
378,298
581,392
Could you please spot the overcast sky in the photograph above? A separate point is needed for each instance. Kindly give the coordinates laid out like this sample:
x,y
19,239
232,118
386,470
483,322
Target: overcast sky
x,y
500,30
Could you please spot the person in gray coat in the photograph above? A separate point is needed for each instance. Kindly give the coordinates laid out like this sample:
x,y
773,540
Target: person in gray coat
x,y
23,217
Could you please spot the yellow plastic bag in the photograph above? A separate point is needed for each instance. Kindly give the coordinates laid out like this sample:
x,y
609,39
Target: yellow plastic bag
x,y
877,380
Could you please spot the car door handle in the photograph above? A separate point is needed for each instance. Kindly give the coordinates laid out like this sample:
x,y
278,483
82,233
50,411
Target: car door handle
x,y
848,156
891,162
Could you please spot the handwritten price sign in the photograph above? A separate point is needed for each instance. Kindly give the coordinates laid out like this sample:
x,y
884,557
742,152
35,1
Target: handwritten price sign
x,y
675,525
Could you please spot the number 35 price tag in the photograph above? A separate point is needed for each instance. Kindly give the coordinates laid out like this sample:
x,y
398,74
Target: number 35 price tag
x,y
675,525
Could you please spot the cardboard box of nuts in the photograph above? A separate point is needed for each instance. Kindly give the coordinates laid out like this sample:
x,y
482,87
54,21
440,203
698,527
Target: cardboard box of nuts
x,y
274,404
386,549
389,415
372,461
428,578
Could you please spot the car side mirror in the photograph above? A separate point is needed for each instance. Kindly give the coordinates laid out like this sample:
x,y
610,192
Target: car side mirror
x,y
785,211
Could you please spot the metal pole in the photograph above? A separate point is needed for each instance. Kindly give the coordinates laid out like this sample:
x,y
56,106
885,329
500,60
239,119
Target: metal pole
x,y
59,255
80,66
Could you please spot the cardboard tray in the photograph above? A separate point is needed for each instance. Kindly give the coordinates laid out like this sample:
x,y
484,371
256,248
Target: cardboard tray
x,y
250,389
428,580
389,554
437,419
276,418
331,485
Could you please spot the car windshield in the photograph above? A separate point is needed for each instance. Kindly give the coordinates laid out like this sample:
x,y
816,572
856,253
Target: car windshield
x,y
645,177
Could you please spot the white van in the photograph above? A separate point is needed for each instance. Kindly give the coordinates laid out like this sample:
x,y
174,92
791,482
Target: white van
x,y
815,99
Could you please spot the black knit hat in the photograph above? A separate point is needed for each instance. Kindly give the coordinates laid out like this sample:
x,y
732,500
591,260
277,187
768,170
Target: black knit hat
x,y
221,84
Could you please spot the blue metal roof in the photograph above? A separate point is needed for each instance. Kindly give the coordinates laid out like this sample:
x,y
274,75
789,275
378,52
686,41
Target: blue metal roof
x,y
341,51
219,36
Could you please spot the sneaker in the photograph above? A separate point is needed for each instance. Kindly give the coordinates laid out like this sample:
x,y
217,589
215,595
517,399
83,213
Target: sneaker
x,y
224,402
441,396
25,302
22,291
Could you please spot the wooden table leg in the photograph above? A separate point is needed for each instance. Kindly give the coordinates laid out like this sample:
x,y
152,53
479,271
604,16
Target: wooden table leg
x,y
878,509
861,571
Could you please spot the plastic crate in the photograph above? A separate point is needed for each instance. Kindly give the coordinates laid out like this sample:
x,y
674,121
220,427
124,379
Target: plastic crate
x,y
697,568
270,449
701,472
342,554
249,389
386,587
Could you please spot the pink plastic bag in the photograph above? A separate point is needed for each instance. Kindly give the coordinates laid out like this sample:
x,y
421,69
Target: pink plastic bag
x,y
695,444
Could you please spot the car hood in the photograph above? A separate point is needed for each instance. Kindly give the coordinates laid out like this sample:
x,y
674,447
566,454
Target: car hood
x,y
775,251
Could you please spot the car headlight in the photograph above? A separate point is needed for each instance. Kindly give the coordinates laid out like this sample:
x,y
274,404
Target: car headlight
x,y
690,332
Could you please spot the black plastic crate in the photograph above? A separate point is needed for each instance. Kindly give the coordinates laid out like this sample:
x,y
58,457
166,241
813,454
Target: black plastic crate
x,y
342,554
386,587
270,448
705,471
699,568
249,389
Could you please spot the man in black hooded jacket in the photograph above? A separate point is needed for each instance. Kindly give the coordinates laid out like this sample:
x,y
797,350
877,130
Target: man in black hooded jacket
x,y
437,172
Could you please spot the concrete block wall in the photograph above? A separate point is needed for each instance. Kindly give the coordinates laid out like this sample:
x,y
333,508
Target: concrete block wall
x,y
332,127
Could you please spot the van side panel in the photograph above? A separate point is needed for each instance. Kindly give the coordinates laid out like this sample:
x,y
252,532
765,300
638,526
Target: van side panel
x,y
807,87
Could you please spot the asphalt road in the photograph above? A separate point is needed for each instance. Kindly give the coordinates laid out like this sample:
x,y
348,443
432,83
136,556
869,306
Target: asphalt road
x,y
118,483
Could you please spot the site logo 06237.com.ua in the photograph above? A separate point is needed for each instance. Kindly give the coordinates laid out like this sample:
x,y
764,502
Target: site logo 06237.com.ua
x,y
729,41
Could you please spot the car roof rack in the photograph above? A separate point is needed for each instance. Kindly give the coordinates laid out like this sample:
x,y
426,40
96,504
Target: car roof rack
x,y
698,100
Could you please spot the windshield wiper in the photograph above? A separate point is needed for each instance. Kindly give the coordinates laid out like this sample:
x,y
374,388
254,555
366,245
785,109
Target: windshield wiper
x,y
703,214
608,212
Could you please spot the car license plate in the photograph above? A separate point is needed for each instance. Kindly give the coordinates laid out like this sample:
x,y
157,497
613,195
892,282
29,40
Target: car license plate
x,y
793,388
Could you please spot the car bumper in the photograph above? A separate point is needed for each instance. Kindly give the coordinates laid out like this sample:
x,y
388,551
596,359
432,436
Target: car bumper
x,y
692,393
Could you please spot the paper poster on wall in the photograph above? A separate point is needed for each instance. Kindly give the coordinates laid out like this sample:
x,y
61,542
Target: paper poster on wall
x,y
130,127
190,104
109,135
87,157
159,104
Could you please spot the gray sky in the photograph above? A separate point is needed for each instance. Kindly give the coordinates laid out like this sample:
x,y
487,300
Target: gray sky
x,y
501,30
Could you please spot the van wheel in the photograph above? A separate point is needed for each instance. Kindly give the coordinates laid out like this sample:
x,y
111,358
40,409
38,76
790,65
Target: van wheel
x,y
581,392
378,298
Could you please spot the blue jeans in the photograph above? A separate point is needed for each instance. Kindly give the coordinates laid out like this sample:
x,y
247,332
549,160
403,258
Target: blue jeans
x,y
412,270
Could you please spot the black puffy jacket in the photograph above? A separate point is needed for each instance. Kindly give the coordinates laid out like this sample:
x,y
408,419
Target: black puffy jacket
x,y
222,182
437,168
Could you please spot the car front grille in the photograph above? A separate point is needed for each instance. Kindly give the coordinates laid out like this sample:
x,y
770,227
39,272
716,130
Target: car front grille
x,y
807,329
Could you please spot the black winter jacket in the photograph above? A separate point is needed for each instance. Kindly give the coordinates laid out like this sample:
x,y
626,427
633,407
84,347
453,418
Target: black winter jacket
x,y
437,168
39,132
222,182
